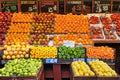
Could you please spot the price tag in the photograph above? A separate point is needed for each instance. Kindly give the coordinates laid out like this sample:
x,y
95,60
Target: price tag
x,y
50,43
51,60
91,59
68,43
76,59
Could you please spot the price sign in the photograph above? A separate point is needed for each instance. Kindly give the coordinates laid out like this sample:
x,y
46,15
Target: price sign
x,y
91,59
68,43
9,6
28,6
49,6
81,59
51,60
74,6
102,6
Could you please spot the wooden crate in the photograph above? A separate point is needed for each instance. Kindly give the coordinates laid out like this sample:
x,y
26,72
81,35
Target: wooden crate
x,y
37,77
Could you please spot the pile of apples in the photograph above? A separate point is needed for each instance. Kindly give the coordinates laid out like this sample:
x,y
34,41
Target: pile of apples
x,y
16,51
71,23
14,38
103,52
116,20
106,20
2,37
21,67
4,26
109,32
44,17
118,29
80,68
43,52
20,27
5,17
22,17
102,69
39,39
94,20
42,28
97,33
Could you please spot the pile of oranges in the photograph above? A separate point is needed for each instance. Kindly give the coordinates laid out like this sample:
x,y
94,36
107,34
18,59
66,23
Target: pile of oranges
x,y
22,17
17,33
14,38
20,27
77,38
71,23
103,52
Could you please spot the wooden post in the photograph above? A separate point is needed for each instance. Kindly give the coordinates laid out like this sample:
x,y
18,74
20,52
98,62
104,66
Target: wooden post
x,y
57,6
57,71
92,6
0,6
19,5
82,11
37,6
111,5
65,2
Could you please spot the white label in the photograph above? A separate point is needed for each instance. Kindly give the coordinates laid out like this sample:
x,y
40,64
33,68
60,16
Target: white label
x,y
68,43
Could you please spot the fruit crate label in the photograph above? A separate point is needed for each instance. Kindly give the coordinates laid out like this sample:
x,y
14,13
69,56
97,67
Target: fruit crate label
x,y
49,6
90,59
68,43
102,6
28,6
81,59
9,6
74,6
51,60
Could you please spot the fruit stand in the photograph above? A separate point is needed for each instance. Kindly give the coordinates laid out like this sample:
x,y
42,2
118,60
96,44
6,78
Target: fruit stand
x,y
37,45
81,39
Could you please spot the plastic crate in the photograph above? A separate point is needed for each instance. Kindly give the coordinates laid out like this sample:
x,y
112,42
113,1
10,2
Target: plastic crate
x,y
37,77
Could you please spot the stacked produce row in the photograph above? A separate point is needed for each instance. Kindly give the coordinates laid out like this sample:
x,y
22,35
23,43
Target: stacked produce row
x,y
5,20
